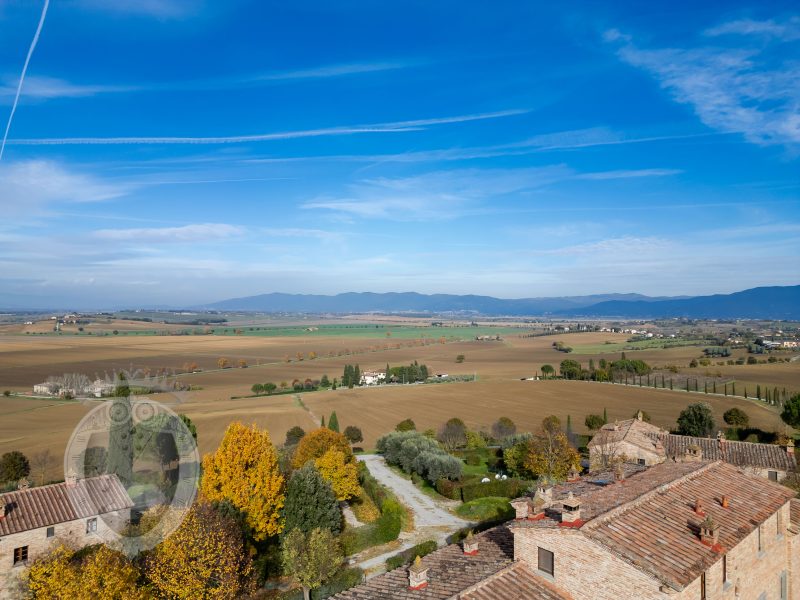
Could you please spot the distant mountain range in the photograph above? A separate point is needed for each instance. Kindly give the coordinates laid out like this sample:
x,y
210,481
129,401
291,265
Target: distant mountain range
x,y
756,303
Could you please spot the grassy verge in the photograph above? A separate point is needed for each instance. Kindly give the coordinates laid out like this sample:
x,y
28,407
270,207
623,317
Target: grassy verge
x,y
491,508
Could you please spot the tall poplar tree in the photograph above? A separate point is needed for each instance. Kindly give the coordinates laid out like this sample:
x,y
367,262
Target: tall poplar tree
x,y
120,439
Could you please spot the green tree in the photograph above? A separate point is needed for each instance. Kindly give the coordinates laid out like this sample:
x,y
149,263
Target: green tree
x,y
570,369
120,438
312,558
791,412
14,466
325,382
189,425
547,371
270,387
405,425
460,358
333,422
593,422
503,427
257,388
294,435
549,453
311,502
696,420
736,418
353,434
453,434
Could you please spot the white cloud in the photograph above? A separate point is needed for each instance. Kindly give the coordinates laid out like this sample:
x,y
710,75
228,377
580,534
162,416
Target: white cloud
x,y
199,232
621,246
733,90
29,186
389,127
786,31
46,88
328,71
629,173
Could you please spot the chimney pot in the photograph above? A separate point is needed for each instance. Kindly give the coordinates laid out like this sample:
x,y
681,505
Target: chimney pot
x,y
470,545
571,509
417,575
709,532
725,502
521,506
698,507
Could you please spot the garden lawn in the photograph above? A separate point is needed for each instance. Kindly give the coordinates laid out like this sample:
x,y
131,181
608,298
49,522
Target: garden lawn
x,y
490,508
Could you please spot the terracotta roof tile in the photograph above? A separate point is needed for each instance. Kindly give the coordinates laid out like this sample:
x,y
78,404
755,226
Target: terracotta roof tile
x,y
37,507
742,454
450,572
514,583
794,512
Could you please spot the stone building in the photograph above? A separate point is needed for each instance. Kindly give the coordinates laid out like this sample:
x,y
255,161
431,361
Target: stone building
x,y
637,441
691,530
79,512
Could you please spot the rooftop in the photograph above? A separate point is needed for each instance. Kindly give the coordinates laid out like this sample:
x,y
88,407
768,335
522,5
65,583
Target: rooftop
x,y
47,505
649,519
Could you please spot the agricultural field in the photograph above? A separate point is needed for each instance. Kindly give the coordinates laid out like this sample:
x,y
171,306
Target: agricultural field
x,y
31,424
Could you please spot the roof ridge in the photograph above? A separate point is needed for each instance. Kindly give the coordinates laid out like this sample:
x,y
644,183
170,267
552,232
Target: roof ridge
x,y
58,484
641,499
476,586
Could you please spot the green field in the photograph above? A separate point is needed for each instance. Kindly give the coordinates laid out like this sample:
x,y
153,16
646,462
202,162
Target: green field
x,y
638,345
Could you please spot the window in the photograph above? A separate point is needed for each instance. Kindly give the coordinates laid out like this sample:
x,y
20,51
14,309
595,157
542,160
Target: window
x,y
91,525
760,544
51,531
642,461
546,561
784,586
703,586
20,554
773,476
724,569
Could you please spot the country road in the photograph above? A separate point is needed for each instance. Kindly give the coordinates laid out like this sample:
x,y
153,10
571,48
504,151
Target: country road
x,y
431,521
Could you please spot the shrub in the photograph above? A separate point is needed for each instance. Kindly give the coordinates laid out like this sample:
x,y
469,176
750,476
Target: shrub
x,y
406,425
449,489
506,488
490,508
343,580
434,466
407,556
364,509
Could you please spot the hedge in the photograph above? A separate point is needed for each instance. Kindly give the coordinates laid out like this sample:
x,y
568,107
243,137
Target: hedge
x,y
506,488
385,529
407,556
449,489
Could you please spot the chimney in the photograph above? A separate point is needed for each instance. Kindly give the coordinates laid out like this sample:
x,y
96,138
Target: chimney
x,y
417,575
619,472
522,508
709,532
639,415
790,447
574,474
724,502
693,453
71,479
571,511
698,508
470,545
23,484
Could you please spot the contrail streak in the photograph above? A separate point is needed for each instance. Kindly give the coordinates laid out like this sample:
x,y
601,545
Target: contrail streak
x,y
398,126
22,76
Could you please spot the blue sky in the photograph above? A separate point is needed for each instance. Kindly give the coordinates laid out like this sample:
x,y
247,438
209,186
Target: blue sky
x,y
179,152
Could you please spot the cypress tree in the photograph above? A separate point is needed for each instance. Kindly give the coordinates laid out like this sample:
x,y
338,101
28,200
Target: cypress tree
x,y
733,388
323,421
386,380
120,438
333,422
356,376
311,502
758,392
670,383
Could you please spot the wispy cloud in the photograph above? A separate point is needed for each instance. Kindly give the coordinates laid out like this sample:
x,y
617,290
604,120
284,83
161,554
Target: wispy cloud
x,y
788,30
29,186
318,234
735,90
46,88
199,232
629,174
390,127
31,48
328,71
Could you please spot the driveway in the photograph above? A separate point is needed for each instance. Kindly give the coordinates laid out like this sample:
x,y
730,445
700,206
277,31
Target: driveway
x,y
427,513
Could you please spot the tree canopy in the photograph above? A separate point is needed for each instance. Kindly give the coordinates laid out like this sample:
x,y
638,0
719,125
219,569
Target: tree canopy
x,y
549,452
311,558
341,471
570,369
316,443
353,434
736,418
791,412
204,558
294,435
14,466
696,420
503,427
405,425
453,434
311,502
244,469
594,422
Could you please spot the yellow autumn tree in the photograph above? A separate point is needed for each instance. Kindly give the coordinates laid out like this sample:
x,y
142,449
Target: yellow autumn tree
x,y
549,453
103,573
342,474
244,470
316,443
204,558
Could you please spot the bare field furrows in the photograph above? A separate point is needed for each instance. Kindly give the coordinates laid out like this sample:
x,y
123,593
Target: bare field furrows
x,y
479,404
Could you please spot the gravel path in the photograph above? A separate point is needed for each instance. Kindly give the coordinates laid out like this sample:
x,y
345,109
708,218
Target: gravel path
x,y
427,513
